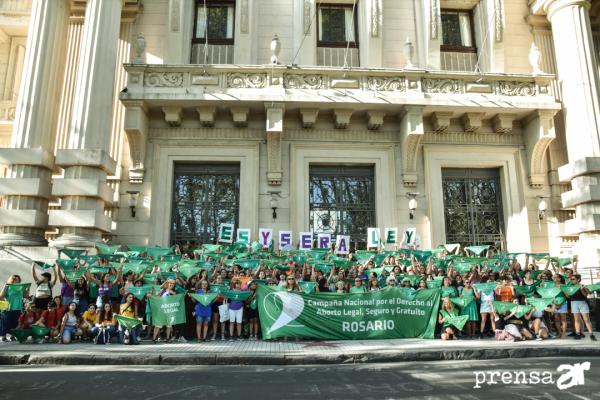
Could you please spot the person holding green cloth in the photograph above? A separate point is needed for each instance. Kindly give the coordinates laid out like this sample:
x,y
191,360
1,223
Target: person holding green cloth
x,y
252,311
446,311
358,286
14,295
468,293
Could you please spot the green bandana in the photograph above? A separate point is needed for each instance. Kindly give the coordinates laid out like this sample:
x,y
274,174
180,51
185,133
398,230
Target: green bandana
x,y
449,292
43,265
570,290
594,288
549,293
458,321
127,323
540,304
66,264
188,270
307,287
236,295
461,302
501,307
477,250
106,249
247,264
434,284
71,253
205,299
140,291
74,274
486,288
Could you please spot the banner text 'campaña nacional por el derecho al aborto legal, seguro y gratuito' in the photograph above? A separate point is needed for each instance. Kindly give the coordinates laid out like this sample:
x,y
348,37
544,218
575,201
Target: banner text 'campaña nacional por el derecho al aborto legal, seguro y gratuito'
x,y
390,313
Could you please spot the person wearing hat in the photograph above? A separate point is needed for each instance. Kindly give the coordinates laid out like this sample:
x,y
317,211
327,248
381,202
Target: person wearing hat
x,y
391,281
43,292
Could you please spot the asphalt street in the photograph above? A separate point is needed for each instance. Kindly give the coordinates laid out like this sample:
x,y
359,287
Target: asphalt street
x,y
455,380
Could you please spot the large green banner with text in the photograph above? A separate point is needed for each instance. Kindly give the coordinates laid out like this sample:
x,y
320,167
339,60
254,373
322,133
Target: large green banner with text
x,y
390,313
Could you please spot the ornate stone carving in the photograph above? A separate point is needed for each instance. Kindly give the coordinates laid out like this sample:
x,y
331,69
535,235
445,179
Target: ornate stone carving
x,y
503,123
441,121
163,79
242,81
303,81
386,84
307,17
433,19
449,86
411,133
515,88
472,121
207,115
309,116
341,117
244,16
240,116
375,119
172,115
498,27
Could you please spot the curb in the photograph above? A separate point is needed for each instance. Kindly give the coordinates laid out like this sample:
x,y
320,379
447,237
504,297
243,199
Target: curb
x,y
47,358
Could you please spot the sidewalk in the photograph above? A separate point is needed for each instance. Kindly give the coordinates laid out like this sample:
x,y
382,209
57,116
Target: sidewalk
x,y
289,353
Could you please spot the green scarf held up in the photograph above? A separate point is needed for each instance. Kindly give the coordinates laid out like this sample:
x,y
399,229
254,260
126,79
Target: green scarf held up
x,y
140,291
522,310
434,284
218,288
540,304
126,322
457,321
478,250
307,287
461,302
43,265
71,253
527,290
74,274
189,270
106,249
66,264
205,298
486,288
570,290
449,291
236,295
247,264
19,287
502,307
594,288
549,293
158,252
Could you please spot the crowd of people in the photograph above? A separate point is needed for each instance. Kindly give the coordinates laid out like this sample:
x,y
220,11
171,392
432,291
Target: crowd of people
x,y
484,293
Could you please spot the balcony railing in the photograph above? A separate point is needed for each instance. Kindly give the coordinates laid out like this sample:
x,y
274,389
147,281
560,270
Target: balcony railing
x,y
335,57
216,53
458,61
15,6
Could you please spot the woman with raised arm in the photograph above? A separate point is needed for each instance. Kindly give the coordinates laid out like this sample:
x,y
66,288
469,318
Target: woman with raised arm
x,y
105,286
43,291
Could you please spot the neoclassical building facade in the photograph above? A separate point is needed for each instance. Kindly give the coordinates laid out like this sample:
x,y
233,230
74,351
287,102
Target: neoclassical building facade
x,y
154,121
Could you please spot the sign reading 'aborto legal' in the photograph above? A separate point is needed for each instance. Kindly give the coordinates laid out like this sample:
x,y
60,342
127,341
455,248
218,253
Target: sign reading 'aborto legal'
x,y
390,313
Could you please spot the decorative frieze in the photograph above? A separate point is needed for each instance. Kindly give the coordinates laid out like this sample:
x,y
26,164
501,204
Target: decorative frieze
x,y
515,88
313,82
163,79
386,84
243,81
444,86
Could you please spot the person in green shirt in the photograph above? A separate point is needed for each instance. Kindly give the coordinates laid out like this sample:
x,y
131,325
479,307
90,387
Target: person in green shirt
x,y
14,295
358,286
447,310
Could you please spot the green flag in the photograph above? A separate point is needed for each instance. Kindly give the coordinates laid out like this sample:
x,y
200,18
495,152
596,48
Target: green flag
x,y
307,287
458,321
43,265
570,290
501,307
126,322
71,253
140,291
548,293
236,295
343,317
168,311
540,304
486,288
106,249
205,299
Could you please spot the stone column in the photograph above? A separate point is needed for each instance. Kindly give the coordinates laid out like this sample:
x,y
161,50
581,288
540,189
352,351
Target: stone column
x,y
575,61
30,158
86,161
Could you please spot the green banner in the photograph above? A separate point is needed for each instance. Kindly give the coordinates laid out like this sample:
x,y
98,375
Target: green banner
x,y
168,311
385,314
